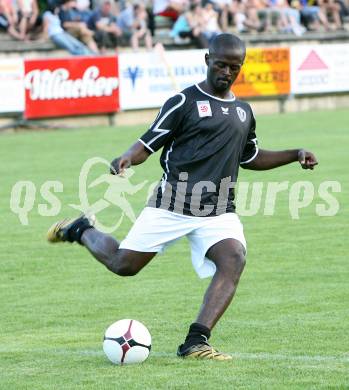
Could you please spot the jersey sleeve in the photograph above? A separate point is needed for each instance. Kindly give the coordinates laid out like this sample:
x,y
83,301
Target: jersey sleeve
x,y
165,124
251,147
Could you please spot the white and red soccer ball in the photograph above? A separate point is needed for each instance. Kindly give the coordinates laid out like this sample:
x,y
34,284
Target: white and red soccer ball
x,y
127,342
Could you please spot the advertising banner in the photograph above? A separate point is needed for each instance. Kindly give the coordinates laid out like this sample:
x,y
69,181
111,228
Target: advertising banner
x,y
148,79
71,86
319,68
266,72
11,85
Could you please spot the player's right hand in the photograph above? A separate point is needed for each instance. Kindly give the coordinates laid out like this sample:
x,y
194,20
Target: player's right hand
x,y
119,165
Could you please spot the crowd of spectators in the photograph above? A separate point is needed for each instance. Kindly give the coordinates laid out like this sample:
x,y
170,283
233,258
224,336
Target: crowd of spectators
x,y
201,20
82,27
86,27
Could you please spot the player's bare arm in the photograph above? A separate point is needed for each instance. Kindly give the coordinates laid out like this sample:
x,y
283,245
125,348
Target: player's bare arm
x,y
135,155
267,159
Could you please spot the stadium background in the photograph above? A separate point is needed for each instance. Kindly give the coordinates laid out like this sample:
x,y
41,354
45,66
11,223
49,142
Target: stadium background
x,y
288,326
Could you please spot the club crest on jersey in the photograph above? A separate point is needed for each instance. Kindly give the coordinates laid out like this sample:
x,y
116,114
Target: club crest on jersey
x,y
204,108
241,114
225,110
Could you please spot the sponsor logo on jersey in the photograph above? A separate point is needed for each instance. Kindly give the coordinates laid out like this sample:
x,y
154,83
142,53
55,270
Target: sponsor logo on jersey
x,y
204,108
225,110
241,114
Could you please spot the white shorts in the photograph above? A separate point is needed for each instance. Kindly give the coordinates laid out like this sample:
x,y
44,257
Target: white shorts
x,y
155,229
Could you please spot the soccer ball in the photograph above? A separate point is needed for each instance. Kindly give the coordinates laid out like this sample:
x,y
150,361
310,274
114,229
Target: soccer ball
x,y
127,342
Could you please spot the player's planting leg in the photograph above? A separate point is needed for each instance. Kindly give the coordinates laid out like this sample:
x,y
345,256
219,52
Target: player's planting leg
x,y
228,256
102,246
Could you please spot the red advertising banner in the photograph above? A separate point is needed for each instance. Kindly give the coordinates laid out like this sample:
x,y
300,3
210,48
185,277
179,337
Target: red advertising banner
x,y
71,86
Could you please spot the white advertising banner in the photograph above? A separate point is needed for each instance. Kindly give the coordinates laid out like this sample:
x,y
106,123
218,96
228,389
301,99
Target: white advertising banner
x,y
11,85
319,68
148,79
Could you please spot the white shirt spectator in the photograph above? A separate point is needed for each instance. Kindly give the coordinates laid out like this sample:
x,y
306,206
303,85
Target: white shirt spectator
x,y
53,24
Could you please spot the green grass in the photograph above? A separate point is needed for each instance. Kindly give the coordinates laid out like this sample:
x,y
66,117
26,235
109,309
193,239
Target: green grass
x,y
287,326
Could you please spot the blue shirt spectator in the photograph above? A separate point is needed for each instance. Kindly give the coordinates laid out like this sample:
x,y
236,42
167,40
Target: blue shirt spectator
x,y
97,16
72,14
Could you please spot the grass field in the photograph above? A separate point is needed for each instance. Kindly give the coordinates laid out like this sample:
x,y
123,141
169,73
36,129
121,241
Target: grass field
x,y
287,327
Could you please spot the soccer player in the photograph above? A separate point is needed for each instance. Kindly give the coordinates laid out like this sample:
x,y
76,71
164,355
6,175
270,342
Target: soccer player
x,y
206,134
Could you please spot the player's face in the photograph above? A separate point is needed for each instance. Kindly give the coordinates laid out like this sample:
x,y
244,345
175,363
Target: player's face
x,y
224,68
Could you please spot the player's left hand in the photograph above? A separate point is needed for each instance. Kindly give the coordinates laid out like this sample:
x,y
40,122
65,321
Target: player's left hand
x,y
306,159
114,166
119,165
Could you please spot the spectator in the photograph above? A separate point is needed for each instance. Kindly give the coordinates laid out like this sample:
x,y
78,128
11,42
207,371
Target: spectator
x,y
246,16
28,14
140,27
274,10
311,15
266,13
344,9
151,17
103,22
181,31
73,22
210,20
54,30
225,12
331,8
133,21
8,19
191,25
290,18
84,7
125,20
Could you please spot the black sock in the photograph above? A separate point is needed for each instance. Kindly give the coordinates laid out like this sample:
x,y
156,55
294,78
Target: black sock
x,y
76,231
197,334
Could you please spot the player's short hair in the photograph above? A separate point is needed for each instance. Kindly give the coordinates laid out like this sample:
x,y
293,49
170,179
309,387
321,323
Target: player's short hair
x,y
227,41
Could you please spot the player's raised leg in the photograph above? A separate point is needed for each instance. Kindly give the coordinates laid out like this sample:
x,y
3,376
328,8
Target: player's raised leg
x,y
228,256
102,246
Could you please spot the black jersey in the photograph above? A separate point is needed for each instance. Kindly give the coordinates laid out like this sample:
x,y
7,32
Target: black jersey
x,y
204,140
